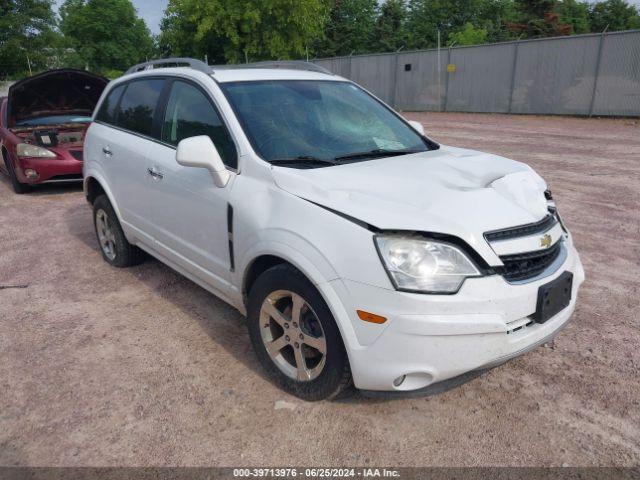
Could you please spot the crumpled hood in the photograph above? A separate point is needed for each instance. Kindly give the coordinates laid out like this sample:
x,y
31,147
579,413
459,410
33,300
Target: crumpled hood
x,y
450,190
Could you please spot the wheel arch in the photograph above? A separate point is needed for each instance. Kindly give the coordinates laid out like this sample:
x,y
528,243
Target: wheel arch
x,y
316,269
6,158
95,186
275,251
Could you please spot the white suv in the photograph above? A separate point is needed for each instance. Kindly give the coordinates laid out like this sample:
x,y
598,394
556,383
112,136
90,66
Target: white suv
x,y
360,250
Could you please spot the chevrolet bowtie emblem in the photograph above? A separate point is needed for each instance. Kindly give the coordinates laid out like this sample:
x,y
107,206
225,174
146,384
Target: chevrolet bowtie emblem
x,y
545,241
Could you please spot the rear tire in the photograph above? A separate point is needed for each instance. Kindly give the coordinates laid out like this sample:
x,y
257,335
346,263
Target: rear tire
x,y
18,187
114,246
295,336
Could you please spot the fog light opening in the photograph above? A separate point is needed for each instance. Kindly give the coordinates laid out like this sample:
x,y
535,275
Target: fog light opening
x,y
31,174
398,381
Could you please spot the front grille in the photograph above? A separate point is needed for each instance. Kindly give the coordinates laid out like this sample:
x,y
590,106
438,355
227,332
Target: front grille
x,y
523,266
77,154
523,230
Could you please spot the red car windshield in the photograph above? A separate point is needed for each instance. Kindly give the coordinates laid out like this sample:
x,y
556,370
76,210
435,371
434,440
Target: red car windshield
x,y
53,120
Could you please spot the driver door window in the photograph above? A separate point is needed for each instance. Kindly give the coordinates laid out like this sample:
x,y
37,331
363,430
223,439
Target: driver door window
x,y
190,113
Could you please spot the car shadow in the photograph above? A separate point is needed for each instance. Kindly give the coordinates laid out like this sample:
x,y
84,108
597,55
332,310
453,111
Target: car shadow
x,y
45,189
48,189
223,323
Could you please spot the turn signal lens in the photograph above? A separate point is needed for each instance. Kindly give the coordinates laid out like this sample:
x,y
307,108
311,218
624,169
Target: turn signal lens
x,y
370,317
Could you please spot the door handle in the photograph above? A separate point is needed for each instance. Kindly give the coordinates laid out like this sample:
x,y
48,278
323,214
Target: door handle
x,y
107,151
156,175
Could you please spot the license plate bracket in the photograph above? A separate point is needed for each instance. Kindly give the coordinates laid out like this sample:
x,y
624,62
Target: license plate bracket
x,y
553,297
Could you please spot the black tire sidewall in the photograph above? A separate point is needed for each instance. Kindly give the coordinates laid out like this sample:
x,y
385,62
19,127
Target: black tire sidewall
x,y
335,376
18,187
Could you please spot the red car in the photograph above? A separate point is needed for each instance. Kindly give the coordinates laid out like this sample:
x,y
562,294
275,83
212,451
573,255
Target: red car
x,y
42,126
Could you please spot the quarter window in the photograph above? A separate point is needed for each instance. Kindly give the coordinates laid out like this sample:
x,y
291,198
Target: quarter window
x,y
107,113
190,113
138,105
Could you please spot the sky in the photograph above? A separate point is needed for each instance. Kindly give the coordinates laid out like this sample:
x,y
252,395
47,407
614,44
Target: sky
x,y
153,10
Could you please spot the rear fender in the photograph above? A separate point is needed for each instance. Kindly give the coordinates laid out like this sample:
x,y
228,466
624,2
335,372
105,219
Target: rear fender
x,y
98,177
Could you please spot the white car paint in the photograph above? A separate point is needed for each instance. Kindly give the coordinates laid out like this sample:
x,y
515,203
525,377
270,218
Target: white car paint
x,y
323,221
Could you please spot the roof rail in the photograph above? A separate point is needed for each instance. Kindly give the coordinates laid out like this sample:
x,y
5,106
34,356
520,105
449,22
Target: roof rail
x,y
203,67
171,62
286,64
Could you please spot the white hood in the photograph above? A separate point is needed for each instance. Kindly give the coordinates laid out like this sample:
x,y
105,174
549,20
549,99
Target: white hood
x,y
451,190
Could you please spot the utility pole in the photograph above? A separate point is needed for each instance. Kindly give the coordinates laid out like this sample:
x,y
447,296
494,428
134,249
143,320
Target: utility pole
x,y
29,64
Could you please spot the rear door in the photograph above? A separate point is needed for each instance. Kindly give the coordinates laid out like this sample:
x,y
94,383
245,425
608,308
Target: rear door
x,y
125,131
189,213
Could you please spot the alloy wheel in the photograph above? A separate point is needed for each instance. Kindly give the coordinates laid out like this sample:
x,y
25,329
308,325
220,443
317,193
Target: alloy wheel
x,y
293,335
106,235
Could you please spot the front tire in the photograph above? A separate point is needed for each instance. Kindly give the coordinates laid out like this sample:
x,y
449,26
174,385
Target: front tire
x,y
295,336
115,248
18,187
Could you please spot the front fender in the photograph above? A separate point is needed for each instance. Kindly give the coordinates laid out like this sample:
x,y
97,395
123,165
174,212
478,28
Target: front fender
x,y
305,257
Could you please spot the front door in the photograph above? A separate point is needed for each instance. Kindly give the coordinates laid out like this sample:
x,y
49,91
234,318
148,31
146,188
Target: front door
x,y
188,212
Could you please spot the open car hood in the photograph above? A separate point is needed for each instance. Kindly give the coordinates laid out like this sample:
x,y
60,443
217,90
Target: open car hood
x,y
55,92
451,190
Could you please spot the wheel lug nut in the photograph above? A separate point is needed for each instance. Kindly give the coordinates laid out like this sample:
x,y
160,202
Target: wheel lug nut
x,y
286,325
301,337
295,325
296,344
286,337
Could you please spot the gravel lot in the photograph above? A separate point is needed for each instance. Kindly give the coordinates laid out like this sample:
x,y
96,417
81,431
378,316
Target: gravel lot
x,y
100,366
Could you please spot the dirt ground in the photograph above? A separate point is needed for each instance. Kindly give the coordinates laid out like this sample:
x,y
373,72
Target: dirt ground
x,y
100,366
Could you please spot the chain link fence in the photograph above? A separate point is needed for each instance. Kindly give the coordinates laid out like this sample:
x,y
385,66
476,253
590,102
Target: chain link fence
x,y
597,74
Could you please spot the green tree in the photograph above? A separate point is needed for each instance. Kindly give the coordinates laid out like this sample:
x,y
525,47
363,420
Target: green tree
x,y
427,17
614,15
27,36
468,35
539,18
494,15
389,33
576,14
106,34
349,28
235,30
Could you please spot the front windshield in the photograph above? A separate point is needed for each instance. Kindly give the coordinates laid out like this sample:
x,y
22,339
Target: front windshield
x,y
53,120
318,120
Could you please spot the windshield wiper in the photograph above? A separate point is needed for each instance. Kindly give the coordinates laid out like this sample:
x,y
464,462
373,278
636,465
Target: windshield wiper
x,y
378,152
302,160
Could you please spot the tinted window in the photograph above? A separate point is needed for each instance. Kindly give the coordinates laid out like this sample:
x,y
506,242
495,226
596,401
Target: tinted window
x,y
107,111
189,114
138,105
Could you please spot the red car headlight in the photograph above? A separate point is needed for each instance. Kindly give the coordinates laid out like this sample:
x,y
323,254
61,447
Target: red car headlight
x,y
26,150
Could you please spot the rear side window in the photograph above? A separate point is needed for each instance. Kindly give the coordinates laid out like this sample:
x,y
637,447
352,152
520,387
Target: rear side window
x,y
138,106
190,113
107,112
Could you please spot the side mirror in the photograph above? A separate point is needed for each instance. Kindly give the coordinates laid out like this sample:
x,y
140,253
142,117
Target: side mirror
x,y
417,126
200,152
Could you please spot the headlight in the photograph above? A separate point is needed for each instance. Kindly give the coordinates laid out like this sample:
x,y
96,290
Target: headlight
x,y
26,150
421,265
